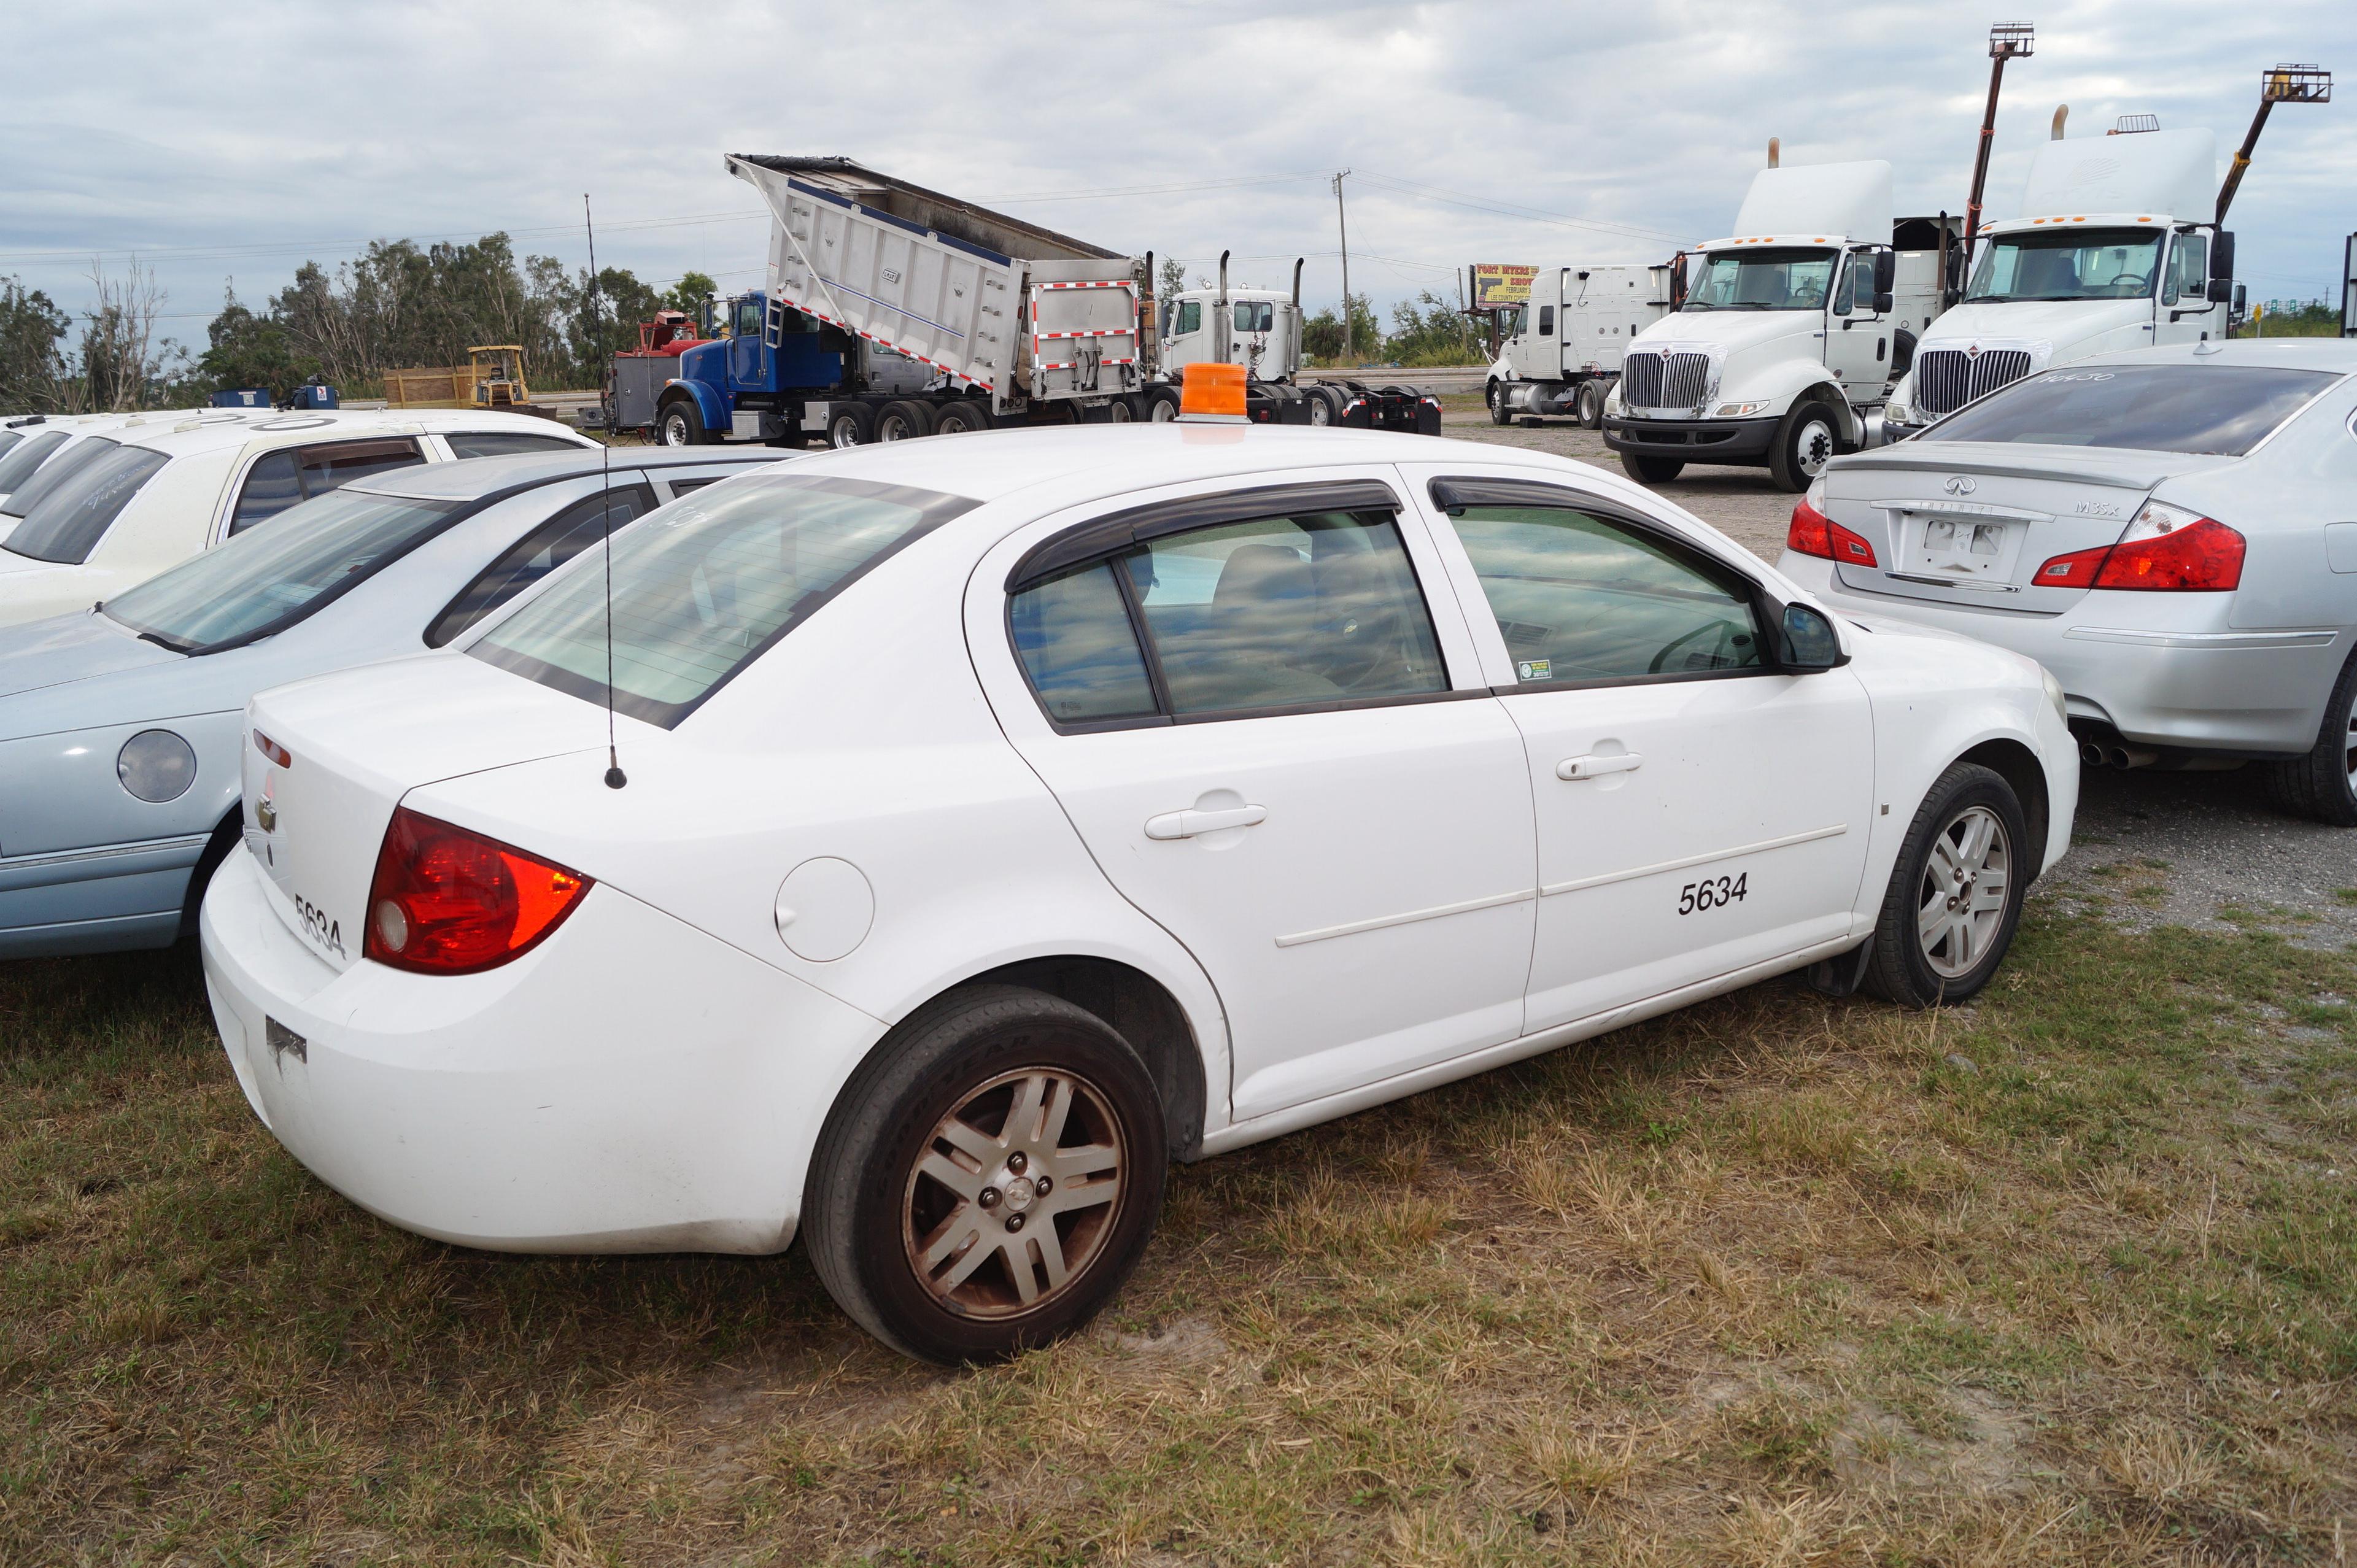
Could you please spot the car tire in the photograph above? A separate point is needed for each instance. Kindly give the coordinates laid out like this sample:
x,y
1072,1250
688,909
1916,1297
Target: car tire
x,y
891,1187
679,424
851,424
1809,438
1590,405
1969,829
2322,786
1651,471
1500,412
966,413
903,420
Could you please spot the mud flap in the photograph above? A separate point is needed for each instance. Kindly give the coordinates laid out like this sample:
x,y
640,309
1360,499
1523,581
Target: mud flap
x,y
1842,973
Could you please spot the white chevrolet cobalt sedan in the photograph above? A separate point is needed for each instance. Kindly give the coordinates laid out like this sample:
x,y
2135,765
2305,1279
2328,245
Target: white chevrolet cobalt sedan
x,y
988,820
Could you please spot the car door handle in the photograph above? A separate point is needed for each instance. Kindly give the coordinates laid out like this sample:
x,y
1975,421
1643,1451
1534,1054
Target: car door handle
x,y
1187,825
1578,770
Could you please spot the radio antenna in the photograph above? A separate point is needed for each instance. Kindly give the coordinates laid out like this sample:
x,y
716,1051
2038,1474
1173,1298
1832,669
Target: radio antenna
x,y
615,776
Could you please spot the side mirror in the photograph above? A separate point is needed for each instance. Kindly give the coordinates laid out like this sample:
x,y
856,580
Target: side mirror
x,y
1678,281
2242,302
2221,290
2221,256
1810,643
1884,302
1886,275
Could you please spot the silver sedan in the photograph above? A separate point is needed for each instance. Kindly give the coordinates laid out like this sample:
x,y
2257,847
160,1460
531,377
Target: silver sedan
x,y
2171,531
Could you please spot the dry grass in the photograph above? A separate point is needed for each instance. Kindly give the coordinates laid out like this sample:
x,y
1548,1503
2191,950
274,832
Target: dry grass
x,y
1776,1281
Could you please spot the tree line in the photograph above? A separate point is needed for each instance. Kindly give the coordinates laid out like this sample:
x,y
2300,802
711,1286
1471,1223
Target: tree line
x,y
395,306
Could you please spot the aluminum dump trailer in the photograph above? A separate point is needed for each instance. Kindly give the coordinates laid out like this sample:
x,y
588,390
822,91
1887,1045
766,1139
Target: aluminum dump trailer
x,y
995,305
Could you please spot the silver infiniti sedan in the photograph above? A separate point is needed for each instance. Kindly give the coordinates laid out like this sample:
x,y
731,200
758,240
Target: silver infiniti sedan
x,y
120,725
2171,531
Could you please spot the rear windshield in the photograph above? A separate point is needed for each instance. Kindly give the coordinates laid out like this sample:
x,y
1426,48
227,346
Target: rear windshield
x,y
68,522
705,586
504,443
268,578
24,487
2221,410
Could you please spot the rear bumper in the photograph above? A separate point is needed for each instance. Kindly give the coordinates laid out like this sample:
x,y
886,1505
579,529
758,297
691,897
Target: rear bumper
x,y
1694,440
2194,685
630,1085
111,899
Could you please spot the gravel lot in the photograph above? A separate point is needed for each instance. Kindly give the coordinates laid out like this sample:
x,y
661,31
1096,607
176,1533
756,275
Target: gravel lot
x,y
2198,849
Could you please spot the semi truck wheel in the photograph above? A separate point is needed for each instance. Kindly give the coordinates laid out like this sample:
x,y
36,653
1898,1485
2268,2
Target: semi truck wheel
x,y
679,424
1589,406
967,414
1808,439
1500,414
1651,471
1324,408
1162,404
851,424
903,421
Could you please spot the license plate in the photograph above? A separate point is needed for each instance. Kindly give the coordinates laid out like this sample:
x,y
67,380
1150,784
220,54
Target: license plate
x,y
1964,550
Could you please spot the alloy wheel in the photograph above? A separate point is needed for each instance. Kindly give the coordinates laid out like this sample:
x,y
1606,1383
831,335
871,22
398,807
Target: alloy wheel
x,y
1960,903
1015,1193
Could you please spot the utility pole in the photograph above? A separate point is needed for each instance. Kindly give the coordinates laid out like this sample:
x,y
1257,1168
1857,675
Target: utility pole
x,y
1343,219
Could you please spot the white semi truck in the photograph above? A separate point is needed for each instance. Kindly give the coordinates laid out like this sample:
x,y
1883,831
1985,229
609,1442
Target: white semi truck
x,y
1260,328
2113,247
1562,350
1790,333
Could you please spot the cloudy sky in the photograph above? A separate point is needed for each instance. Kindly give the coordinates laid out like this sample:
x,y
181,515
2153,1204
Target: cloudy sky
x,y
235,139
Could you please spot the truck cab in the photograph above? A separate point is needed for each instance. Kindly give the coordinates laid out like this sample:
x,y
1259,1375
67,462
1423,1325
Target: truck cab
x,y
736,386
2112,249
1563,347
1260,330
1786,341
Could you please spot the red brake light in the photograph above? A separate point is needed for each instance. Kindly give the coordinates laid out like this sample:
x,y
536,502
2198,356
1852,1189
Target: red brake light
x,y
1813,533
446,901
2203,556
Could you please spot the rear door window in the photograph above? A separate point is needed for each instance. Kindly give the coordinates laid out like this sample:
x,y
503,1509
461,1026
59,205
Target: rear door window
x,y
1278,613
2221,410
578,527
505,443
68,522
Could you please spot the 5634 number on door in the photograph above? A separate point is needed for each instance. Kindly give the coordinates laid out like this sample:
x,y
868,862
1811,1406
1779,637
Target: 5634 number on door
x,y
1712,892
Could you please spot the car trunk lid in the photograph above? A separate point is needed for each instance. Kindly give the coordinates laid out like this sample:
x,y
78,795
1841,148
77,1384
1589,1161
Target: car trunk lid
x,y
1968,522
326,761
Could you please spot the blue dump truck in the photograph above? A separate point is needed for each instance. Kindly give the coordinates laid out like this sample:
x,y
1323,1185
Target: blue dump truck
x,y
893,312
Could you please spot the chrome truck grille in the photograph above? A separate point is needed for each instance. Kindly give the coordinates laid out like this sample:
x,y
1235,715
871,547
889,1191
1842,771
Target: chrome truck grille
x,y
1947,379
1663,381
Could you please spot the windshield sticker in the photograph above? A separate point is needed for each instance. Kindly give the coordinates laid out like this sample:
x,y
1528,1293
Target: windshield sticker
x,y
1534,669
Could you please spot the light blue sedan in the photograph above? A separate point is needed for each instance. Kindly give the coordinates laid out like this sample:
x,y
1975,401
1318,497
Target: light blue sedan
x,y
120,726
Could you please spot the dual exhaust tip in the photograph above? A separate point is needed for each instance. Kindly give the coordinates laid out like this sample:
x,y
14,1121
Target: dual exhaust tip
x,y
2114,754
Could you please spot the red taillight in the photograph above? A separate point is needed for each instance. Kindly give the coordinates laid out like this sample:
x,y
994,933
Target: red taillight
x,y
272,749
446,901
2202,556
1813,533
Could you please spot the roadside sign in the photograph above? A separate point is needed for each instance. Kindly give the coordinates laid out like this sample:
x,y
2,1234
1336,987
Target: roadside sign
x,y
1496,285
